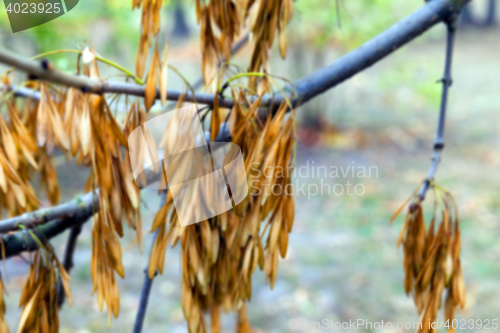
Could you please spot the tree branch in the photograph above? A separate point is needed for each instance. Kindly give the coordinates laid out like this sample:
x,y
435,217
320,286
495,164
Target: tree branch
x,y
447,81
308,87
23,241
67,210
148,282
34,94
387,42
379,47
146,290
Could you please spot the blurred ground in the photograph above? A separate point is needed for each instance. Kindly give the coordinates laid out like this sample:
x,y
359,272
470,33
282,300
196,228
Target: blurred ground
x,y
342,260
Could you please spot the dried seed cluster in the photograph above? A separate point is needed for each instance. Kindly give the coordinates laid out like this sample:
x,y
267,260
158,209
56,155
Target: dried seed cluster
x,y
81,126
99,136
268,17
158,72
40,294
150,25
219,255
17,157
221,21
432,258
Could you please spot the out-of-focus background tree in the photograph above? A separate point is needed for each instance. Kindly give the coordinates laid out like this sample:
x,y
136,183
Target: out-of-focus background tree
x,y
342,262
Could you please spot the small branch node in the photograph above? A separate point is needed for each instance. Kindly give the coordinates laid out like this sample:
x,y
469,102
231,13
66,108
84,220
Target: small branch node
x,y
438,146
446,81
45,64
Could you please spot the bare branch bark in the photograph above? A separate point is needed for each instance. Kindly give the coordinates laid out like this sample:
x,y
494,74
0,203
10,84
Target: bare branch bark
x,y
148,282
145,292
43,71
64,211
30,93
379,47
22,241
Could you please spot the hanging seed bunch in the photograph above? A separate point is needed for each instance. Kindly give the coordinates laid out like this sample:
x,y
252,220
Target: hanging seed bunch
x,y
157,77
45,122
150,25
49,178
49,126
432,258
3,321
210,46
50,133
40,293
17,156
221,22
28,145
173,230
266,19
100,138
80,125
118,202
219,255
228,17
135,117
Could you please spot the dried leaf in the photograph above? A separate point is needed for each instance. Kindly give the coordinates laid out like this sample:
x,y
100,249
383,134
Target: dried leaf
x,y
150,92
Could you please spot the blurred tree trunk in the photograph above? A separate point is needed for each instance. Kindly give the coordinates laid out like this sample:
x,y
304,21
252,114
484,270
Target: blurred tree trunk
x,y
492,11
181,29
467,17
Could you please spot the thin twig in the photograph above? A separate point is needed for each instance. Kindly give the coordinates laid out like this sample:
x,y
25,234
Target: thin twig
x,y
446,81
68,260
147,284
21,92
